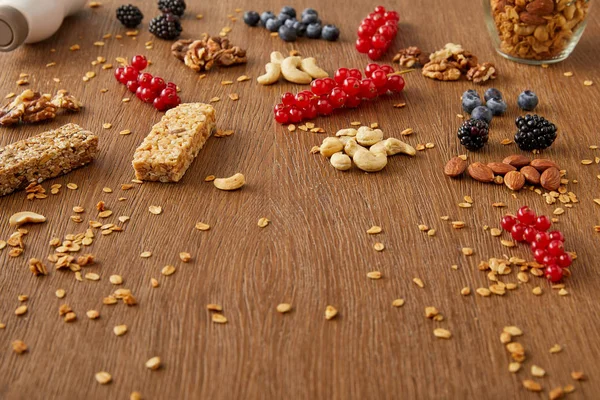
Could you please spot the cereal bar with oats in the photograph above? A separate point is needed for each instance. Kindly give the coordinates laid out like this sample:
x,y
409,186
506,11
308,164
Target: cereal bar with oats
x,y
174,142
44,156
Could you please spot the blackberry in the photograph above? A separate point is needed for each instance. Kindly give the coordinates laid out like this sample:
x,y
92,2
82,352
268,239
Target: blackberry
x,y
473,134
175,7
129,15
535,132
165,26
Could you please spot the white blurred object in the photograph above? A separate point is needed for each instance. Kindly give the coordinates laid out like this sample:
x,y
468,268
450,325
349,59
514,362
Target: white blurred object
x,y
30,21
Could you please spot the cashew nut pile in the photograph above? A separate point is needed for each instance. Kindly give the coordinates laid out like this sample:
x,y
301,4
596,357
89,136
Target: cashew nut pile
x,y
366,147
294,69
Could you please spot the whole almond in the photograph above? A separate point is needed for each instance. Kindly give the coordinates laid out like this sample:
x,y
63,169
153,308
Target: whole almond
x,y
531,174
514,180
517,160
531,19
542,164
455,167
501,168
481,172
550,179
540,7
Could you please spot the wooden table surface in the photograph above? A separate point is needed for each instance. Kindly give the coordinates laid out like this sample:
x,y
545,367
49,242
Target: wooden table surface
x,y
316,251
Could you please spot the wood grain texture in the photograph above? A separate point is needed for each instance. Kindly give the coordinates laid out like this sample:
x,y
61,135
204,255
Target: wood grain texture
x,y
315,252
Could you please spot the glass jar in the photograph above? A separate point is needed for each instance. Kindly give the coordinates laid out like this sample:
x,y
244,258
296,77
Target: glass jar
x,y
538,31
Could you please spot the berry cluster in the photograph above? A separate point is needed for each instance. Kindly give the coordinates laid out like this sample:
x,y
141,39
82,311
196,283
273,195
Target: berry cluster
x,y
346,89
148,88
376,32
167,26
548,247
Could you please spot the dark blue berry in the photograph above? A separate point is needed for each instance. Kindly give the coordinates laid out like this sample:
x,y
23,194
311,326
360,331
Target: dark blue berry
x,y
497,106
289,11
313,31
251,18
528,100
492,93
330,32
470,100
300,28
483,113
284,17
309,18
290,23
309,11
287,33
265,16
273,24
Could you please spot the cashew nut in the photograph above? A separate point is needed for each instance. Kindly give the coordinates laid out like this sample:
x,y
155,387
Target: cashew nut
x,y
395,146
272,74
25,217
309,65
369,161
346,132
351,147
290,71
232,183
379,147
277,57
330,146
368,137
346,139
341,162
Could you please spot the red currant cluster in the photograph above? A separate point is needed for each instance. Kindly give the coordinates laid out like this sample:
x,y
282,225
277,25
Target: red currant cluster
x,y
346,89
148,88
376,32
547,247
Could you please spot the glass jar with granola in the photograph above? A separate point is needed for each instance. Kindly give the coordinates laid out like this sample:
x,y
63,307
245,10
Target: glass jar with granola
x,y
536,31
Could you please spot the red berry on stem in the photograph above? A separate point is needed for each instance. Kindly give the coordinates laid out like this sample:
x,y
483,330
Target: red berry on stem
x,y
564,260
288,99
368,89
557,235
159,104
370,68
375,54
282,116
363,45
329,84
175,102
395,83
157,84
535,245
170,96
365,31
542,239
353,102
529,234
391,16
378,41
548,259
324,107
146,94
172,85
295,114
319,87
337,97
556,248
507,222
351,86
526,215
380,9
129,74
386,31
144,79
139,62
354,73
132,86
539,254
379,78
302,100
310,112
340,75
542,223
119,71
553,273
387,69
278,107
517,232
377,19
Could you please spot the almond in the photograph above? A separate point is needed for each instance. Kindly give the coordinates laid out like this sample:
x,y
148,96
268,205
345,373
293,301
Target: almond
x,y
514,180
531,19
501,168
542,164
531,174
540,7
455,167
481,172
517,160
550,179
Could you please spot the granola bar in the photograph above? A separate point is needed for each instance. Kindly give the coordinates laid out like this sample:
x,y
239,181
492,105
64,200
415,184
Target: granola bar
x,y
47,155
174,142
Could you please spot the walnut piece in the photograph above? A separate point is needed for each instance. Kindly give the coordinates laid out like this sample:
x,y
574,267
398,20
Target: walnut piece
x,y
482,73
441,71
31,107
410,57
64,100
206,52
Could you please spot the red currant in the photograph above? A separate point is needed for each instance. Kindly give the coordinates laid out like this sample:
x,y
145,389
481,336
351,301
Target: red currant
x,y
132,86
310,112
517,232
542,223
391,16
351,86
379,78
172,85
368,89
542,239
119,71
395,83
375,54
159,104
370,68
380,9
354,73
329,84
553,273
174,103
157,84
282,116
319,87
170,97
564,260
302,100
556,248
340,75
378,41
387,69
337,97
363,45
507,222
386,31
129,74
278,107
288,99
139,62
535,246
548,259
324,107
353,102
295,114
377,19
365,31
526,215
529,234
557,235
145,94
144,79
539,254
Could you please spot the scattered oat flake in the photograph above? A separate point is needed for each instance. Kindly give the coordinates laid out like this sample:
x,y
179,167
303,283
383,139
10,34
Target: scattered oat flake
x,y
153,363
146,254
19,346
92,314
577,375
379,246
107,190
532,385
125,132
514,367
263,222
506,141
201,226
234,96
484,292
330,312
21,310
537,371
418,282
507,243
465,291
374,230
284,308
168,270
120,330
374,275
442,333
537,290
91,276
156,210
60,293
568,73
398,303
407,132
214,307
72,186
399,105
563,292
588,83
216,99
226,83
467,251
219,318
103,377
243,78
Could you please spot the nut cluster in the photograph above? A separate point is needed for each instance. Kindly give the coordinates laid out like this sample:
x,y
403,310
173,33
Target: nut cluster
x,y
207,52
452,61
294,69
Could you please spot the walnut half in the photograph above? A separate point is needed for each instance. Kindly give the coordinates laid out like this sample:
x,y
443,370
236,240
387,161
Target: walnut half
x,y
482,73
441,71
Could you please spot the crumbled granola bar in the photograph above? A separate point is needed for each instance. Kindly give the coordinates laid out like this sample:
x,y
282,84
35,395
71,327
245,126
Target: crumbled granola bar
x,y
47,155
206,52
174,142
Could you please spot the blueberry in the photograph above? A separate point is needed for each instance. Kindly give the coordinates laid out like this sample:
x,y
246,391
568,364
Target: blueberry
x,y
497,106
300,28
307,11
470,100
528,100
313,31
284,17
287,33
309,18
267,15
492,93
290,23
273,24
289,11
483,113
251,18
330,32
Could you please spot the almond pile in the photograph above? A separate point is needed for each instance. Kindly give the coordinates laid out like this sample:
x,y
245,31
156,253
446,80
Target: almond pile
x,y
514,171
